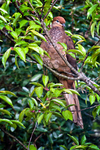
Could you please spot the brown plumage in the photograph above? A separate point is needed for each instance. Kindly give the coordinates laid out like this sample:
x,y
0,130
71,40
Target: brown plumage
x,y
57,33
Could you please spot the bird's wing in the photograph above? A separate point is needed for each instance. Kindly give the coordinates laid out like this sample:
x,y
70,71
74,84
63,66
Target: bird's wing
x,y
57,63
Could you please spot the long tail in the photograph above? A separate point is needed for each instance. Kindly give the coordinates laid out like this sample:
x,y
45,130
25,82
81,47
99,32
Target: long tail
x,y
75,109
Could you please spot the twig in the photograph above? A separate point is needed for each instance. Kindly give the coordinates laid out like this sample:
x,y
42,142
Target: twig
x,y
50,9
13,138
38,137
32,135
37,15
6,35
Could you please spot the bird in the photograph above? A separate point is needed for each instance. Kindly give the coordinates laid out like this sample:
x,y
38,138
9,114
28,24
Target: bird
x,y
55,62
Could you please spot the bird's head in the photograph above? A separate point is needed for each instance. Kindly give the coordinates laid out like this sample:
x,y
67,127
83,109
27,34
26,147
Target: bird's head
x,y
58,21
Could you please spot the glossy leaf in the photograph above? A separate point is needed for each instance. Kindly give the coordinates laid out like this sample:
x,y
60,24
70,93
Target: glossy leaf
x,y
40,118
38,34
91,9
83,140
67,115
20,52
45,79
59,102
36,77
8,92
93,28
39,91
6,99
74,139
6,120
47,117
38,58
34,101
5,56
17,122
3,19
5,111
92,98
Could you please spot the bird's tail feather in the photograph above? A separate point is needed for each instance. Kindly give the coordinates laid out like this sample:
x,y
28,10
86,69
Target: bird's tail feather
x,y
75,109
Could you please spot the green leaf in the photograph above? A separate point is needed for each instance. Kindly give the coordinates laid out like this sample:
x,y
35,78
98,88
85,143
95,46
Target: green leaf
x,y
39,59
93,28
3,19
23,22
92,98
36,77
22,114
82,49
38,34
6,99
32,147
36,48
74,139
5,111
80,147
63,45
40,118
31,104
93,147
67,115
20,52
63,147
34,101
67,91
5,56
8,92
47,117
6,120
91,9
18,123
21,43
3,10
45,79
59,102
80,37
39,91
83,140
74,91
14,35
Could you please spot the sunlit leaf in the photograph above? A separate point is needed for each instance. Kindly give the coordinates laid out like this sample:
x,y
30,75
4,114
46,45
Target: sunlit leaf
x,y
93,28
6,99
40,118
17,122
38,34
45,79
67,115
91,9
5,56
6,120
92,98
20,52
39,91
74,139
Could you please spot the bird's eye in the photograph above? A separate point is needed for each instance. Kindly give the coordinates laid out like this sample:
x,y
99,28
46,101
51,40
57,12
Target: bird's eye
x,y
57,21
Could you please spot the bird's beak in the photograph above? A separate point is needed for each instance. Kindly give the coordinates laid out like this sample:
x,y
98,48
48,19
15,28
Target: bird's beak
x,y
63,25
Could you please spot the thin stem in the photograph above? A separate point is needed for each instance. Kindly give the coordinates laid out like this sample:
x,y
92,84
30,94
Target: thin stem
x,y
32,135
50,9
14,138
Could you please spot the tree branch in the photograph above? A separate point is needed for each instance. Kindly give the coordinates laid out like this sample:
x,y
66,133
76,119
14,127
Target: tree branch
x,y
32,135
14,138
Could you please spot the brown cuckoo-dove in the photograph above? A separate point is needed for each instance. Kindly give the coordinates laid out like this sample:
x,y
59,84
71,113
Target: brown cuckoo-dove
x,y
58,34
